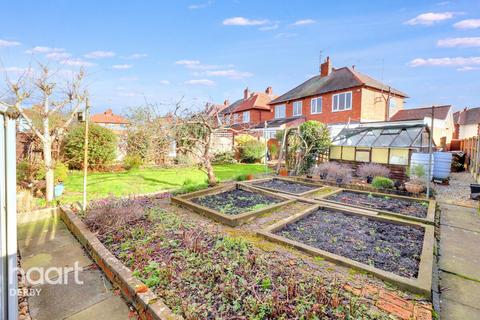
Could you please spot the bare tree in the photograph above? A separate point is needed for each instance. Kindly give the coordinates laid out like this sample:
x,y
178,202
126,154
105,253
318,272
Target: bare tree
x,y
43,90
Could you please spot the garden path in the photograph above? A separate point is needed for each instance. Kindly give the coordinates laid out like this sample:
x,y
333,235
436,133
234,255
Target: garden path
x,y
459,262
44,241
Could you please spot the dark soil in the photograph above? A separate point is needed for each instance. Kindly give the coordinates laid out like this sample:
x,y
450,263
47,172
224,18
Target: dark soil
x,y
285,186
235,201
384,245
401,206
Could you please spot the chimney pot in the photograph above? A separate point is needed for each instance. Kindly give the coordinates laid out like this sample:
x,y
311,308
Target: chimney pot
x,y
325,68
226,102
245,93
269,90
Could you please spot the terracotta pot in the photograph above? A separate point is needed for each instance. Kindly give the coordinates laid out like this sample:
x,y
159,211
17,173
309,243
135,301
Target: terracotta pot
x,y
283,172
250,177
414,187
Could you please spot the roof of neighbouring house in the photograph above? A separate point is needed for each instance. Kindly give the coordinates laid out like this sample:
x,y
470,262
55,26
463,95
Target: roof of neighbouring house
x,y
275,123
440,112
338,79
469,116
214,109
108,117
256,100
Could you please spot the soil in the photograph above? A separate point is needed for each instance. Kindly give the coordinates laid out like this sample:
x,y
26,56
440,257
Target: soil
x,y
285,186
387,246
402,206
236,201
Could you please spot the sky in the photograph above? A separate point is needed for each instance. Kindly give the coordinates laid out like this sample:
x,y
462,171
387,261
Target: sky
x,y
201,51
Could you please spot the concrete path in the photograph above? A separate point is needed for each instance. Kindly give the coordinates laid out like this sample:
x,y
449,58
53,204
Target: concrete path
x,y
44,241
459,262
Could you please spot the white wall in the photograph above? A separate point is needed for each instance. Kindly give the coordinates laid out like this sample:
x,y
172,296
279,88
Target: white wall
x,y
468,130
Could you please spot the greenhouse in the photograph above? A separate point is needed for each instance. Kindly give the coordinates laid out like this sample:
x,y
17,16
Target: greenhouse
x,y
390,144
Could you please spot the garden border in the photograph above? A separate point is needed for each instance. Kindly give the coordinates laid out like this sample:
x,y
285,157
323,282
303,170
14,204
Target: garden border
x,y
230,220
317,186
421,285
429,219
148,305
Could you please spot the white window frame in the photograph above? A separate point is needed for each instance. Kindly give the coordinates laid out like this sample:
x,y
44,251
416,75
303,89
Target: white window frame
x,y
246,117
336,107
314,109
277,107
297,108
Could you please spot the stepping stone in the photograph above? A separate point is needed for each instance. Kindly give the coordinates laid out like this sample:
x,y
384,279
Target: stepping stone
x,y
460,217
461,290
110,308
59,301
460,251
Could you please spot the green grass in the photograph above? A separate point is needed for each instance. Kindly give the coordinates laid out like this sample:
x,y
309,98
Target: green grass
x,y
100,185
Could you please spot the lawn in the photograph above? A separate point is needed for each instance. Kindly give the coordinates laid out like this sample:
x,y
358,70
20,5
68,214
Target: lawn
x,y
142,181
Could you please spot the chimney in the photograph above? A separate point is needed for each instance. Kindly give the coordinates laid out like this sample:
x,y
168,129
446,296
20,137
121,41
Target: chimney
x,y
269,91
245,93
353,67
325,68
226,102
108,112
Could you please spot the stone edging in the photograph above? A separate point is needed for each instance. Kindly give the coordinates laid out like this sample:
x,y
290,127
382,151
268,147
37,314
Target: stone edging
x,y
148,304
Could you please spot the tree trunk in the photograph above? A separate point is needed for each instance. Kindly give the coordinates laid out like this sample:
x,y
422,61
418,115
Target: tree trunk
x,y
49,178
212,180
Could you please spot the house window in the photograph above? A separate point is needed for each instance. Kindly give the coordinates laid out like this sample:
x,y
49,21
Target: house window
x,y
297,108
246,116
342,101
236,118
280,111
316,105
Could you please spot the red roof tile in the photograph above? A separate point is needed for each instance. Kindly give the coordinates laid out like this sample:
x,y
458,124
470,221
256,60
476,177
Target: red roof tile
x,y
258,100
469,116
440,112
108,117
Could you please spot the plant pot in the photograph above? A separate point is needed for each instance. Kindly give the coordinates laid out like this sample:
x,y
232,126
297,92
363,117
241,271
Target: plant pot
x,y
323,175
475,191
414,187
369,179
250,177
283,172
58,190
339,181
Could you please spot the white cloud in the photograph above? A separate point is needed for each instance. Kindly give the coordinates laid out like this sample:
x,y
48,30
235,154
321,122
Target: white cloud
x,y
459,42
136,56
456,61
468,24
203,82
233,74
303,22
241,21
99,54
77,63
165,82
41,49
129,94
196,65
430,18
187,62
58,55
268,28
128,78
200,5
6,43
467,68
121,66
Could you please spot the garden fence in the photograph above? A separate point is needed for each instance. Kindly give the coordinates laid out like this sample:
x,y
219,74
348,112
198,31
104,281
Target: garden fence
x,y
471,147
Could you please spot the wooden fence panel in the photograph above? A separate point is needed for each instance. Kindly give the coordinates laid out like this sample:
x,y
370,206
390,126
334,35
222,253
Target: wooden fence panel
x,y
471,147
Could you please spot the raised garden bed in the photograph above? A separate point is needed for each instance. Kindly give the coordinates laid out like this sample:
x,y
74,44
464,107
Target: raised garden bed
x,y
287,186
385,204
391,249
232,204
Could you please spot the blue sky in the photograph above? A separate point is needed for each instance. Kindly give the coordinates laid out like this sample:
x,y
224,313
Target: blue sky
x,y
208,51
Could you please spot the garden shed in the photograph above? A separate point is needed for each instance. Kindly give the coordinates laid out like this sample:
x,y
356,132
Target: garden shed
x,y
389,144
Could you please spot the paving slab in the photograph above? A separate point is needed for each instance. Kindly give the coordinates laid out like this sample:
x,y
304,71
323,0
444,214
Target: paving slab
x,y
451,310
61,301
460,251
460,217
48,241
458,289
110,308
40,228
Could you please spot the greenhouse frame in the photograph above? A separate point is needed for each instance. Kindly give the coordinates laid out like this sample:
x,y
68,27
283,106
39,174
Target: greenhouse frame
x,y
383,143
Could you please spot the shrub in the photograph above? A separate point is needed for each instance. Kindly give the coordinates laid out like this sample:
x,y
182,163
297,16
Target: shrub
x,y
323,169
241,177
382,183
252,151
340,173
102,146
273,149
223,157
132,162
241,139
60,172
316,140
25,171
372,170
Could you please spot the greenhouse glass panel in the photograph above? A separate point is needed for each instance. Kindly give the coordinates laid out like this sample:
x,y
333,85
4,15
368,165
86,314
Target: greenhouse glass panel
x,y
369,138
353,140
384,140
406,137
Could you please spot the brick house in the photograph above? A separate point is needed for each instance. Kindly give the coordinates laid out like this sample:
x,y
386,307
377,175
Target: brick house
x,y
467,123
443,126
339,96
117,124
249,111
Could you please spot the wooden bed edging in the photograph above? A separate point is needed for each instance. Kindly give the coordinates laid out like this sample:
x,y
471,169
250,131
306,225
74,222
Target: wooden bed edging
x,y
148,305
